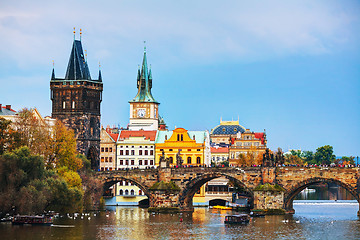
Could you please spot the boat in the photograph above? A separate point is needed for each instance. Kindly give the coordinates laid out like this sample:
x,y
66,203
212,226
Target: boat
x,y
34,220
222,207
255,214
237,219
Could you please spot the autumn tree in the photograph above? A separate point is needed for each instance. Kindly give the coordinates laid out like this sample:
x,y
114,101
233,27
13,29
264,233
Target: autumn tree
x,y
9,138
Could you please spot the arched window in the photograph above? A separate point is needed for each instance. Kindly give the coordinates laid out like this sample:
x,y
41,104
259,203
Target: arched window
x,y
121,192
189,160
171,160
126,192
132,192
198,160
140,192
182,137
178,137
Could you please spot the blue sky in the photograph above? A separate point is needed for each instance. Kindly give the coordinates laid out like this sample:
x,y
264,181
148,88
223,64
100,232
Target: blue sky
x,y
290,67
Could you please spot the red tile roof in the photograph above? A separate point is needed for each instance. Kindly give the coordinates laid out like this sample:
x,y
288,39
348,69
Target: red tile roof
x,y
219,150
114,136
261,136
141,133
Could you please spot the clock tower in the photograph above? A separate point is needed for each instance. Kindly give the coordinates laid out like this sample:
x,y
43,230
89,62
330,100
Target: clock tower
x,y
144,108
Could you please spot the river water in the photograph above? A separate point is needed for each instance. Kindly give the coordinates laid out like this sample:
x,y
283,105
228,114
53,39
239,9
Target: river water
x,y
313,219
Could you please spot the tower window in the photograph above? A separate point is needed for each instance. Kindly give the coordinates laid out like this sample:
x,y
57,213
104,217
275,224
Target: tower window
x,y
73,104
64,104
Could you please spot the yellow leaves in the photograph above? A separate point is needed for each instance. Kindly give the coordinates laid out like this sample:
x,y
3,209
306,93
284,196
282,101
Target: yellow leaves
x,y
72,178
65,147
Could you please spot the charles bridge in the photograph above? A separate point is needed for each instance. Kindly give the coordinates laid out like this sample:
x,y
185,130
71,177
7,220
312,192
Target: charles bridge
x,y
272,189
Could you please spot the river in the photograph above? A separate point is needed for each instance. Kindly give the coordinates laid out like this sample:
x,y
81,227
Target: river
x,y
313,219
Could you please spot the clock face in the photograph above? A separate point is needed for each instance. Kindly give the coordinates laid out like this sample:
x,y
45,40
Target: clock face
x,y
141,113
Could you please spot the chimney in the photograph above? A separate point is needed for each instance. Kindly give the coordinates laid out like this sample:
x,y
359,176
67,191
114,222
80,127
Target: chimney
x,y
8,107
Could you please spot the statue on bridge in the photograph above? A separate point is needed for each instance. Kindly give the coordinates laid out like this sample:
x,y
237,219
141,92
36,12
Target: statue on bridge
x,y
279,157
268,159
179,160
163,162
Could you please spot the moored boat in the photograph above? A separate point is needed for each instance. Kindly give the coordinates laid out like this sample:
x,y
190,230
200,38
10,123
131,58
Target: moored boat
x,y
34,220
237,219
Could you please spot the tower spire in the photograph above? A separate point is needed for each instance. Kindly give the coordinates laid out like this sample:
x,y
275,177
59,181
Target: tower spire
x,y
53,71
74,33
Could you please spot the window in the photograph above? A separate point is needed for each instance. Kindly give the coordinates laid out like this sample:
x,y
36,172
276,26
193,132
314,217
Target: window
x,y
140,192
106,149
126,183
189,160
110,169
182,137
140,162
132,192
146,152
102,149
126,192
127,152
120,183
140,152
132,152
170,150
151,162
106,159
132,162
73,104
198,150
121,152
102,169
64,104
198,161
146,162
110,159
121,192
171,160
151,152
151,146
102,159
110,149
132,146
140,146
178,137
189,150
145,146
121,162
126,162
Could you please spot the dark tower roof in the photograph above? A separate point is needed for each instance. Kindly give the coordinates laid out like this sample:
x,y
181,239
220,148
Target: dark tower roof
x,y
144,83
77,67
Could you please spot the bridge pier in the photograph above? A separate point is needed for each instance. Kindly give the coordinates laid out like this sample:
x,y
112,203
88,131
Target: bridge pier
x,y
269,199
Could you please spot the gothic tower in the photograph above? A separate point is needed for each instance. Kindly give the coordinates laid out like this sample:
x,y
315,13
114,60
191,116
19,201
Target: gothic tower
x,y
144,108
76,102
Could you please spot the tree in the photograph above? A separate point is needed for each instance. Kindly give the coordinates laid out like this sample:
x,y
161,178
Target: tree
x,y
324,155
64,150
308,157
9,139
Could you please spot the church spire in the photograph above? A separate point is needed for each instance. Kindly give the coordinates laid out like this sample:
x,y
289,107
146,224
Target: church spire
x,y
144,83
53,72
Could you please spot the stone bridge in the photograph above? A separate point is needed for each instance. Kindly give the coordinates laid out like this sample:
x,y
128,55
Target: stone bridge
x,y
272,189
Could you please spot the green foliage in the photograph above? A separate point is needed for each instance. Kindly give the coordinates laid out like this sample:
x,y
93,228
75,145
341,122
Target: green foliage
x,y
324,155
26,187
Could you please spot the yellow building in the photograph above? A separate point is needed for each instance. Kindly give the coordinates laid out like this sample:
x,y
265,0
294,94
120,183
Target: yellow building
x,y
192,146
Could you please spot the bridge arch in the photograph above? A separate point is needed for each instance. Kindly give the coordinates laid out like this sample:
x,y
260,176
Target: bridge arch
x,y
187,194
297,188
108,182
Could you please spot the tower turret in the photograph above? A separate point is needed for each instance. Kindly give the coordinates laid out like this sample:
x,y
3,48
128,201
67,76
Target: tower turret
x,y
76,102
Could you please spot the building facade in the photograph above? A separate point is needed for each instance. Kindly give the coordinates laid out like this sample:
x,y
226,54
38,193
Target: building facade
x,y
136,149
192,146
76,102
219,155
108,149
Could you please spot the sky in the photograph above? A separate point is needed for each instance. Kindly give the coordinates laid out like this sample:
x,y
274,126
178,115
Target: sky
x,y
290,67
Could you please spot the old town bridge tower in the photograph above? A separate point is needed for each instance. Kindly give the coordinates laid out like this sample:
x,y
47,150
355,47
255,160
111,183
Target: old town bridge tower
x,y
76,102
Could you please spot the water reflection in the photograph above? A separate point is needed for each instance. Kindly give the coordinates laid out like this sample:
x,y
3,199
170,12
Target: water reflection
x,y
311,221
